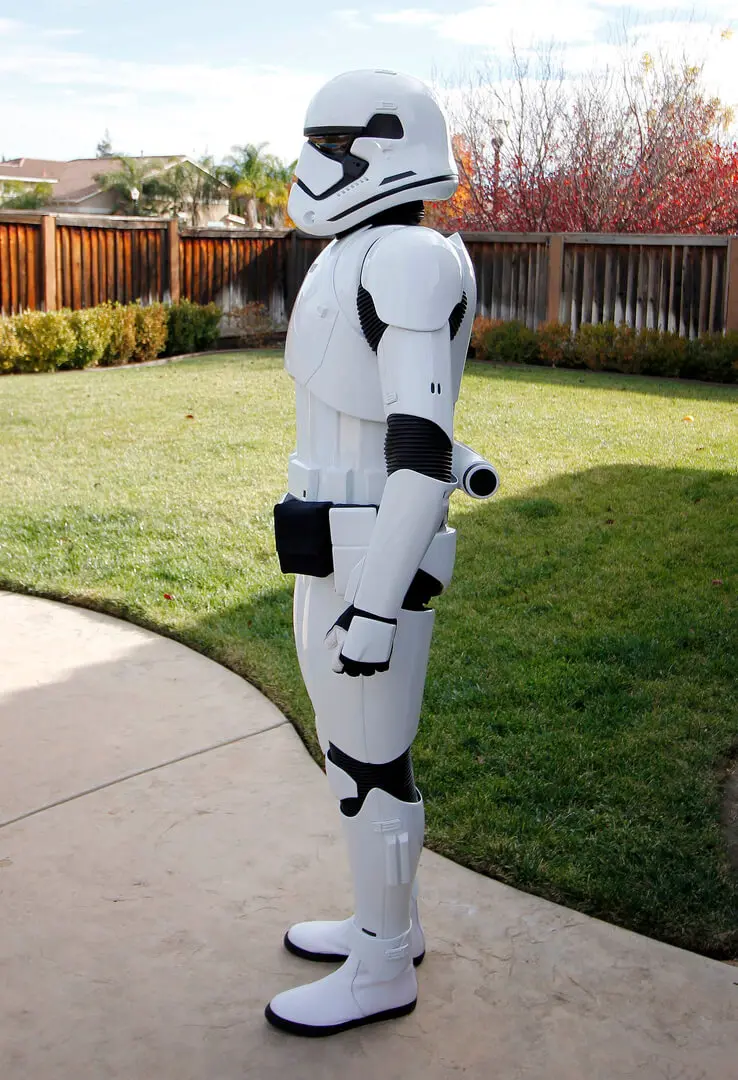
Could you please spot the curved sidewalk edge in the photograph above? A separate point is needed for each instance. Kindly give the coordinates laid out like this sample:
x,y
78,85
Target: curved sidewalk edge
x,y
167,825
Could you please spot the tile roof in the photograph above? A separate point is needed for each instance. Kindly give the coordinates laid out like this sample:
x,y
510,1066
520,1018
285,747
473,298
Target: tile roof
x,y
75,179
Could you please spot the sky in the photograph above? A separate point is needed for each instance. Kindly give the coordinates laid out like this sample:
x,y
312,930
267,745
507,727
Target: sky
x,y
194,77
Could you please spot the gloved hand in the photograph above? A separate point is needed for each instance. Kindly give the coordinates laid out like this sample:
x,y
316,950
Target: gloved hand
x,y
361,642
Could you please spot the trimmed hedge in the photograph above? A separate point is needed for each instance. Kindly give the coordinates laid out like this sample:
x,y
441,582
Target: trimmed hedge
x,y
607,347
104,335
192,327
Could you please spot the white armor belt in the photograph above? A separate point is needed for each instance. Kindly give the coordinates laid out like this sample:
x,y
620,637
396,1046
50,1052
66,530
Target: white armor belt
x,y
328,484
351,533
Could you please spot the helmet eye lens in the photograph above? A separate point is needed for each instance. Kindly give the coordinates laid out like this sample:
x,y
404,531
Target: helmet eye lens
x,y
333,144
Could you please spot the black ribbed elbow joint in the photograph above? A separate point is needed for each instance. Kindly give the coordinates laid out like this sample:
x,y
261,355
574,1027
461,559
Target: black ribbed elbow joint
x,y
415,443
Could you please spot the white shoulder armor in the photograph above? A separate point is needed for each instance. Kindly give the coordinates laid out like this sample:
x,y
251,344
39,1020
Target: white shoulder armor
x,y
414,277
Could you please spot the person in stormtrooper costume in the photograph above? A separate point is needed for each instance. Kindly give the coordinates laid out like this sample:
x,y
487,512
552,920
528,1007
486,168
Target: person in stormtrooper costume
x,y
376,347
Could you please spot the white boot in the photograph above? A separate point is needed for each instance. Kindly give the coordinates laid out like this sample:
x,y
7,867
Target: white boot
x,y
377,982
329,940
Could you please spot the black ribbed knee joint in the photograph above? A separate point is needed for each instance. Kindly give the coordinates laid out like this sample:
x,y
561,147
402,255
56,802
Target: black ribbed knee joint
x,y
394,777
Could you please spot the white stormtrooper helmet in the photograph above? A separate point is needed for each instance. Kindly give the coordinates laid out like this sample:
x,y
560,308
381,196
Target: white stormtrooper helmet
x,y
376,139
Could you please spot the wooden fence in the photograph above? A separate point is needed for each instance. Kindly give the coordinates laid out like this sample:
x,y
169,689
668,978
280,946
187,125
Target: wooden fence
x,y
686,284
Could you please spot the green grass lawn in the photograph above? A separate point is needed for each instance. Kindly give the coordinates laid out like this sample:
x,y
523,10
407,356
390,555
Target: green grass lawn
x,y
581,710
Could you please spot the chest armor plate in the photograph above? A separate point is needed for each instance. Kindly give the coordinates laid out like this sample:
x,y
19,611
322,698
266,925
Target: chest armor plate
x,y
326,350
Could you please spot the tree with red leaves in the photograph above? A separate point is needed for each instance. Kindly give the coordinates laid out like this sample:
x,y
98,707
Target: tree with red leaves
x,y
644,150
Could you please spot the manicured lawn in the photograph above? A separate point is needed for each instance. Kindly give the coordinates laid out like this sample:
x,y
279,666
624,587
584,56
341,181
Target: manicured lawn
x,y
581,707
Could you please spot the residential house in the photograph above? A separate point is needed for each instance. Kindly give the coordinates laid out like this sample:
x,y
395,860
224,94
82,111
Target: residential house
x,y
74,189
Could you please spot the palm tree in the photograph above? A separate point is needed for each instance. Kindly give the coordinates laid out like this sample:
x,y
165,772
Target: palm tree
x,y
135,177
16,196
259,182
184,188
281,180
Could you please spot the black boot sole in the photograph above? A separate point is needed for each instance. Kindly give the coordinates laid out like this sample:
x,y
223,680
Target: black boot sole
x,y
328,958
314,1032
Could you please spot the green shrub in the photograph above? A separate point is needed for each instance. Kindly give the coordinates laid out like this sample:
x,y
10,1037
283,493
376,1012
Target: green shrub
x,y
713,357
151,332
555,344
625,356
660,353
121,326
594,346
192,327
92,333
46,339
11,352
511,342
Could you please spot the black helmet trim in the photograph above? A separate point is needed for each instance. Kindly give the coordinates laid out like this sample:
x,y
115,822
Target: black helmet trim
x,y
398,176
387,194
379,126
337,129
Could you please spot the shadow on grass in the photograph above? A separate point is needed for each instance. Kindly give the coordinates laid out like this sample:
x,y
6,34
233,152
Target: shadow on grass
x,y
581,711
652,385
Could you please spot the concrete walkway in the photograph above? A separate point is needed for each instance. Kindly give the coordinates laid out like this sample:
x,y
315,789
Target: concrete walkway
x,y
163,824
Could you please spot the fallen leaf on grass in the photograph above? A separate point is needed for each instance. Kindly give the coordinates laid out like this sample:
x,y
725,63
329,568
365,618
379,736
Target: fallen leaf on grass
x,y
190,416
717,581
168,596
689,419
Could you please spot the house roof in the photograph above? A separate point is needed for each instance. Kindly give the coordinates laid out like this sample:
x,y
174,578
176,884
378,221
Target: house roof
x,y
32,170
74,180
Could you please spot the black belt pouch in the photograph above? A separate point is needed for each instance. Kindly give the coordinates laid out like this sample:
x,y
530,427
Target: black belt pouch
x,y
303,537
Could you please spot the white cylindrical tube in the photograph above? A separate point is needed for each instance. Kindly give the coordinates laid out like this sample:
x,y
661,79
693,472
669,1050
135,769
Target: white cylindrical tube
x,y
476,477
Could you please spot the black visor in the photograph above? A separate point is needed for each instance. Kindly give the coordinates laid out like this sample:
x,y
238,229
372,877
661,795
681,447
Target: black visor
x,y
335,142
332,142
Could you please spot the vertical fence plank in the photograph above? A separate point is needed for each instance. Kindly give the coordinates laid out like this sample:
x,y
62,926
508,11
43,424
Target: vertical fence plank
x,y
649,308
568,285
173,254
555,278
661,298
22,267
5,307
731,289
713,291
13,265
48,262
702,309
587,285
672,318
32,263
608,296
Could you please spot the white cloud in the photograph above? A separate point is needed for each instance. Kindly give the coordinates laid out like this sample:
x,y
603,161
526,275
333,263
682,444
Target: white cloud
x,y
150,107
409,17
590,33
351,19
61,32
494,24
